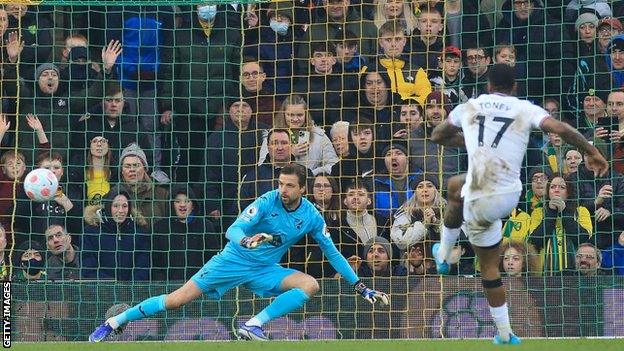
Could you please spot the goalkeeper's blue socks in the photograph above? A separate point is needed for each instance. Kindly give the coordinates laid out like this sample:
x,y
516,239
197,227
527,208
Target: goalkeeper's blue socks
x,y
146,308
283,304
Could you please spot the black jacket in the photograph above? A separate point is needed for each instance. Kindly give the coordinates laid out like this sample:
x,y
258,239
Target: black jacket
x,y
180,249
327,96
475,27
472,85
204,69
538,42
222,164
84,128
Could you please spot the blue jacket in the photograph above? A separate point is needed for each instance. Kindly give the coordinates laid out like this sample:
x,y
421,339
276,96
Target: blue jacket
x,y
613,257
618,76
116,252
386,199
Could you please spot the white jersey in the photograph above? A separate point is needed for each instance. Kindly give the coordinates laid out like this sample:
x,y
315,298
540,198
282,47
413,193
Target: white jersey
x,y
496,130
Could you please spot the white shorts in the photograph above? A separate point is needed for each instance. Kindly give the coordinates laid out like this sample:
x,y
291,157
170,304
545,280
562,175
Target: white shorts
x,y
482,217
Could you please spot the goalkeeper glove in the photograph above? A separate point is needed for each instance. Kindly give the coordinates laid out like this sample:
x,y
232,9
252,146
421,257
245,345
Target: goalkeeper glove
x,y
254,241
371,295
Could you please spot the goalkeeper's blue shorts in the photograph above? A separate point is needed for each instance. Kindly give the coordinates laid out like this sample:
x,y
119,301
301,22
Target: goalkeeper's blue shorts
x,y
225,272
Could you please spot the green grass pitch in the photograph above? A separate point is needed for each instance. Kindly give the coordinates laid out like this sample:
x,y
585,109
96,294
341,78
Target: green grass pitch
x,y
341,345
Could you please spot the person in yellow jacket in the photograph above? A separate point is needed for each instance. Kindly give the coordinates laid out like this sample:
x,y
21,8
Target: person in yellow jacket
x,y
559,226
406,78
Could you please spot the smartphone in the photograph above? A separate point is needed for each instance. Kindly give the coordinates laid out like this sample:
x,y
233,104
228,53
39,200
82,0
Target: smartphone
x,y
606,123
303,136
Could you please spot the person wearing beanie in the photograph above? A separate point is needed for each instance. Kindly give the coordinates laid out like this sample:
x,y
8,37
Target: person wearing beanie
x,y
150,200
43,98
48,88
590,66
52,102
394,184
594,110
376,260
134,150
419,219
184,241
585,26
615,61
586,47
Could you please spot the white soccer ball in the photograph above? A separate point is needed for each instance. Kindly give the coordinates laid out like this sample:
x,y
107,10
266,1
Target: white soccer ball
x,y
40,185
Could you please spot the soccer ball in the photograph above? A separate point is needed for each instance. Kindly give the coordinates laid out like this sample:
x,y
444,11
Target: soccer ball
x,y
40,185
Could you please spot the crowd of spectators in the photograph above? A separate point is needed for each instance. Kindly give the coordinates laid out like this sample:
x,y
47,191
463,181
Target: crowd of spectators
x,y
162,122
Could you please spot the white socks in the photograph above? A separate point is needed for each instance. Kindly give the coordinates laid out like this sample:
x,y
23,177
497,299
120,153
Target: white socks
x,y
113,323
500,315
447,241
254,322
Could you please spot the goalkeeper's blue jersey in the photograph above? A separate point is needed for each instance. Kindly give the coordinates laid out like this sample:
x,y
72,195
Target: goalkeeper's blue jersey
x,y
267,214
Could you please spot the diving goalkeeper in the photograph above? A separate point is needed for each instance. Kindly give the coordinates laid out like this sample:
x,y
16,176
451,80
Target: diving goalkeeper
x,y
257,241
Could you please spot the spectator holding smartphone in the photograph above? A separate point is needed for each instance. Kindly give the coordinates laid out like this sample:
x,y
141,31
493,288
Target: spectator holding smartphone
x,y
311,146
609,134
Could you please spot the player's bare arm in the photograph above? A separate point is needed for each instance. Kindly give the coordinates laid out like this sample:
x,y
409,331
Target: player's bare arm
x,y
595,161
448,135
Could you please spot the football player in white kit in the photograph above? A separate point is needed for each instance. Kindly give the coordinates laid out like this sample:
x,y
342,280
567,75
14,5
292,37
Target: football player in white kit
x,y
495,129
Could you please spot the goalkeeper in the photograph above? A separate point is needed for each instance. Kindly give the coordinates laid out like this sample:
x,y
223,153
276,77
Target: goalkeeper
x,y
257,241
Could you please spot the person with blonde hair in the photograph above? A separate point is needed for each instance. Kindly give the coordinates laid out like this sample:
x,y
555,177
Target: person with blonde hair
x,y
418,219
389,10
311,146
